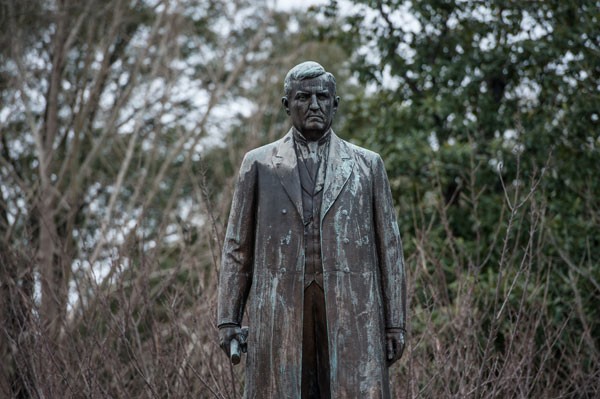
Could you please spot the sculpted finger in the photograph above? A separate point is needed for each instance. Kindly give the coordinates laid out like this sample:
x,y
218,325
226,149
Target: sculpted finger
x,y
224,340
243,343
390,349
241,338
400,350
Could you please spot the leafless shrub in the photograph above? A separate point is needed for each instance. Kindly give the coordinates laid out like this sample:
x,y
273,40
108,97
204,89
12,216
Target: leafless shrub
x,y
149,334
477,332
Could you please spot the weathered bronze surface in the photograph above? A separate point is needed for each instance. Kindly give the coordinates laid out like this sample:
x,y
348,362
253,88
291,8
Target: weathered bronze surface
x,y
312,211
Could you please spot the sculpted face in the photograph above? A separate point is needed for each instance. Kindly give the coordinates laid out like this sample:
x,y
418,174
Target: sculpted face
x,y
311,104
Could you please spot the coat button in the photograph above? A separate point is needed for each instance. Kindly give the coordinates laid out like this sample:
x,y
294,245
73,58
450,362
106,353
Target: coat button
x,y
284,211
346,241
345,212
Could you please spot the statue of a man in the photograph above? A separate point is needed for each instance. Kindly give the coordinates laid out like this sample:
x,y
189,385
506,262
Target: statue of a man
x,y
313,249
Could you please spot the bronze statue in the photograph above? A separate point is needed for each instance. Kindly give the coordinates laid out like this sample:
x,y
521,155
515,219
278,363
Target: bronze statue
x,y
313,248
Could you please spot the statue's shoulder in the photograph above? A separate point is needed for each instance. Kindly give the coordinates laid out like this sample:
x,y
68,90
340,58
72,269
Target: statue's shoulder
x,y
265,153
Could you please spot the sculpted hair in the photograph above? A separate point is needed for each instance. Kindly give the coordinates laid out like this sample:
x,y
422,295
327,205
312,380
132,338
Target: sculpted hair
x,y
306,70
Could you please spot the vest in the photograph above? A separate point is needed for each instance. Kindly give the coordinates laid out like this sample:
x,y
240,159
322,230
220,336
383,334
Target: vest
x,y
312,197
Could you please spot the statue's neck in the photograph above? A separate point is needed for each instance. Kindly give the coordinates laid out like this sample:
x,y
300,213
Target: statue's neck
x,y
312,136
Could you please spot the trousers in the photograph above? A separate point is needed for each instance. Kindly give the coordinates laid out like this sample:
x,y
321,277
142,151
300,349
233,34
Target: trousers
x,y
315,347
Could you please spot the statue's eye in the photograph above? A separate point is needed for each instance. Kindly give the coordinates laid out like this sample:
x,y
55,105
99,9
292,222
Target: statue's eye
x,y
301,97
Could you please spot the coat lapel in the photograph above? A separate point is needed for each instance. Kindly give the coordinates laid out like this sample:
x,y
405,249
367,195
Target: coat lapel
x,y
285,163
339,169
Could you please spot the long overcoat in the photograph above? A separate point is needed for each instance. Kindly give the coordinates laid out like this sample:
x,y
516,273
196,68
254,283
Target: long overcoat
x,y
363,269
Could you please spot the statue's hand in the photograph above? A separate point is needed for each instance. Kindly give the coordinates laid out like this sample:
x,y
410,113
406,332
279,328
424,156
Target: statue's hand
x,y
395,340
228,333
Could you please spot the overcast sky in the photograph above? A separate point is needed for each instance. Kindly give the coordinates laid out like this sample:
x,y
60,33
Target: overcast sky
x,y
290,4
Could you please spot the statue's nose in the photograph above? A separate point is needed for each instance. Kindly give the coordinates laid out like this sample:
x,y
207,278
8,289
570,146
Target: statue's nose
x,y
313,102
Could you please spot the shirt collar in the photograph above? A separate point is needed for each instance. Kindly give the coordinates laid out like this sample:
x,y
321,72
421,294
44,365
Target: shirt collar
x,y
299,138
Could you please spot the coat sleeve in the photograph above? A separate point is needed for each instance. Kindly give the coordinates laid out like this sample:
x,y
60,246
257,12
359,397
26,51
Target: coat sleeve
x,y
237,258
389,249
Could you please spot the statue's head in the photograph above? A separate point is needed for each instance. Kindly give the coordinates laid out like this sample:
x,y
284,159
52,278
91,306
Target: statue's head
x,y
310,98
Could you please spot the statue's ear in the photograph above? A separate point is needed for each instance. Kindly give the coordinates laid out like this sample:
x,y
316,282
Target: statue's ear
x,y
336,102
286,104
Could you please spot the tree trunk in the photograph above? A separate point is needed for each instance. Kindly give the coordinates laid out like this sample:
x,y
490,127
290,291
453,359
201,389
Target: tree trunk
x,y
49,259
